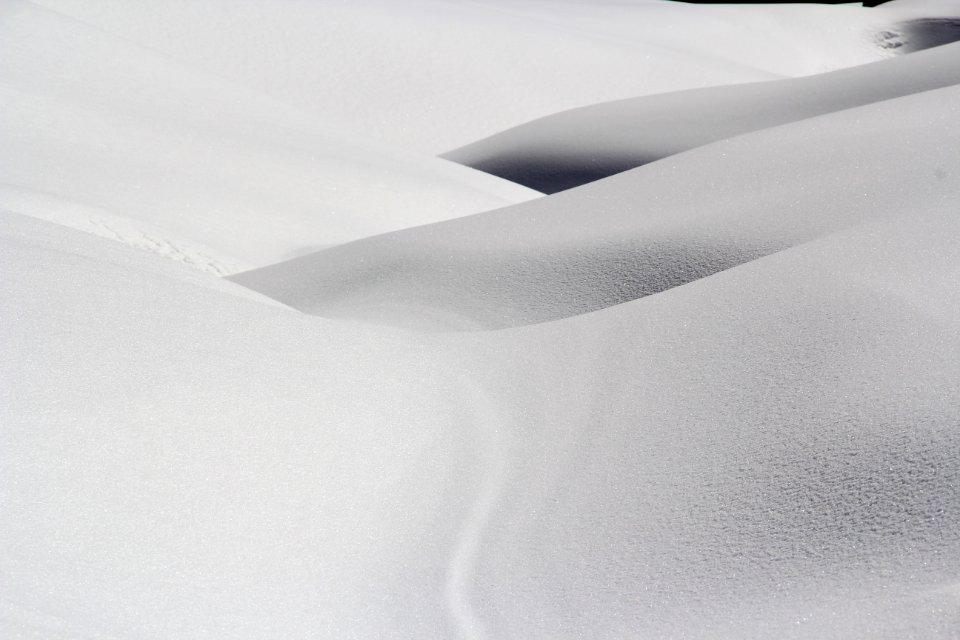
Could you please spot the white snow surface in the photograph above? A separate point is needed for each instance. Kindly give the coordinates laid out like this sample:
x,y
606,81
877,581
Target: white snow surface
x,y
645,230
714,396
102,133
433,75
572,147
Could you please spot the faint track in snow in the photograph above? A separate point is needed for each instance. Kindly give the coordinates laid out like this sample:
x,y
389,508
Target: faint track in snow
x,y
162,246
461,567
131,232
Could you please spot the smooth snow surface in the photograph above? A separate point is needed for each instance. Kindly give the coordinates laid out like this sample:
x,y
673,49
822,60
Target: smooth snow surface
x,y
714,396
572,148
643,231
149,147
433,75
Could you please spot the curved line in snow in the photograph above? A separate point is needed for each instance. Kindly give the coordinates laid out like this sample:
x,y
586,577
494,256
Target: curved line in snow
x,y
461,567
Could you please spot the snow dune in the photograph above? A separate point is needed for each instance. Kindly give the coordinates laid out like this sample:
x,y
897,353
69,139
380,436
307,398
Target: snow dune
x,y
710,397
643,231
922,33
771,452
185,462
571,148
768,452
920,24
432,75
146,146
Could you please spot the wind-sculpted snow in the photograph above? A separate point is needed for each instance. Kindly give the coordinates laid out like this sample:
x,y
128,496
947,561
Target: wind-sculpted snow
x,y
771,452
432,75
643,231
721,398
924,33
575,147
94,122
182,462
915,25
25,233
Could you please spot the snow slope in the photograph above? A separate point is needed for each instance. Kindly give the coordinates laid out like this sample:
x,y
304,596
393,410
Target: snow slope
x,y
432,75
146,146
920,24
179,461
642,231
766,452
764,445
571,148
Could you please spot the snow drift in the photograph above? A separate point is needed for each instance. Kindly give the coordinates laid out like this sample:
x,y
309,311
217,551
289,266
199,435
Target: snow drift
x,y
116,139
432,75
572,148
720,400
643,231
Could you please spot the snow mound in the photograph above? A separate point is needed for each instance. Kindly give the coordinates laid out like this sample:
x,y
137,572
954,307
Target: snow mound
x,y
642,231
179,461
165,151
768,447
41,241
575,147
432,75
770,452
919,24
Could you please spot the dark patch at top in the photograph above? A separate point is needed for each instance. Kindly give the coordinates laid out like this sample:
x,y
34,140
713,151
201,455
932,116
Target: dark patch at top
x,y
552,173
920,34
866,3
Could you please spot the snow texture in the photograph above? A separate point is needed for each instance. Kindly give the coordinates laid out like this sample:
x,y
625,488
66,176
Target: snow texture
x,y
713,396
572,148
643,231
127,134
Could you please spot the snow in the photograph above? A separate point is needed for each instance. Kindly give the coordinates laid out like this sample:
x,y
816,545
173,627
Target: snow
x,y
182,462
713,396
98,123
643,231
433,75
778,464
574,147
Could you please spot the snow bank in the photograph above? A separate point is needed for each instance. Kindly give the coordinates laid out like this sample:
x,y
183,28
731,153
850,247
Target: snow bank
x,y
432,75
766,452
179,461
765,448
159,149
919,24
572,148
642,231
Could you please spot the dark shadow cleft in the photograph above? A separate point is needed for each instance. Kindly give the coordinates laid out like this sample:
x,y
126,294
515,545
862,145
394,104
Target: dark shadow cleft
x,y
552,174
920,34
